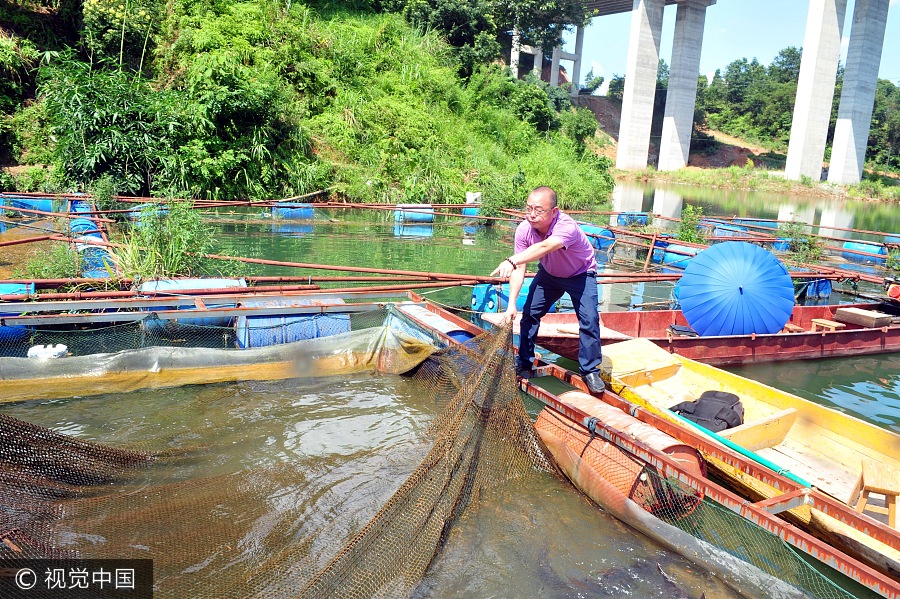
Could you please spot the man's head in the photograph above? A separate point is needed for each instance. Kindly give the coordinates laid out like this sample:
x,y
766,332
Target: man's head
x,y
540,208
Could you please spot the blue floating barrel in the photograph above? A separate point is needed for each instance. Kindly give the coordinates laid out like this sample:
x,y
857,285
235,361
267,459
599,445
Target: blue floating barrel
x,y
44,204
176,286
723,230
861,246
79,206
768,224
819,289
293,211
895,239
659,250
600,237
413,230
85,226
135,213
471,210
678,256
782,244
625,219
263,331
486,299
14,333
96,262
414,213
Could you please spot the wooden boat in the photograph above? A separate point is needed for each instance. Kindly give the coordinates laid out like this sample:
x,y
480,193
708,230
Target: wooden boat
x,y
830,530
812,332
816,446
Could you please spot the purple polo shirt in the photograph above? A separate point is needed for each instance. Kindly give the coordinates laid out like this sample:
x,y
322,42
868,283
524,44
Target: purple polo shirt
x,y
575,257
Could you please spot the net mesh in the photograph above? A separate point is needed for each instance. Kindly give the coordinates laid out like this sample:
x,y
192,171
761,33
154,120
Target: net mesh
x,y
213,531
215,534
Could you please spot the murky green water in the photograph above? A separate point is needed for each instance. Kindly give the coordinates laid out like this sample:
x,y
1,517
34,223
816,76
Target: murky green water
x,y
360,437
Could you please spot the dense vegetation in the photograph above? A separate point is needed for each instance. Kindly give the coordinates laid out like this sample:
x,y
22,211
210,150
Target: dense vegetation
x,y
756,102
247,99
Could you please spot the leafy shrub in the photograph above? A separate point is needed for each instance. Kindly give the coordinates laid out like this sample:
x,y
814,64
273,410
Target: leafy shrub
x,y
167,243
689,226
578,124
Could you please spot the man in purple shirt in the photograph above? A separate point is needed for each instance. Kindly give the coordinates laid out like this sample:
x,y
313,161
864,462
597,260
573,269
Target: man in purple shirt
x,y
567,265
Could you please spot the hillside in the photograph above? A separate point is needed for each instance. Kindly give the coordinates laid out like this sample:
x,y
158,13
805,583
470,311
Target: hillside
x,y
245,99
726,151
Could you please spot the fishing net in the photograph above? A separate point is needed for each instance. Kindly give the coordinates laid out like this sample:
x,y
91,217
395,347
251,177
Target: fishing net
x,y
154,353
214,531
215,526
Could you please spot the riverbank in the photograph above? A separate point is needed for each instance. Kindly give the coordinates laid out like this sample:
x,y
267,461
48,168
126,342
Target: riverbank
x,y
757,179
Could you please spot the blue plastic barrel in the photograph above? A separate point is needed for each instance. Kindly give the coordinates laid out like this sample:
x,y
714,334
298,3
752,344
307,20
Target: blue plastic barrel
x,y
293,211
263,331
783,244
600,237
471,210
625,219
79,206
415,213
659,250
892,239
486,299
14,333
861,246
768,224
85,226
175,286
413,230
723,230
135,213
96,261
819,288
44,204
678,256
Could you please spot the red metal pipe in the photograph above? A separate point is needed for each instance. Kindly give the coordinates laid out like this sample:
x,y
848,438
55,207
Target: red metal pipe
x,y
26,240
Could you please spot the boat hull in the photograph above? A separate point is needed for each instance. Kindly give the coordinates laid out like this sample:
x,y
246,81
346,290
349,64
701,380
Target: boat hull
x,y
559,334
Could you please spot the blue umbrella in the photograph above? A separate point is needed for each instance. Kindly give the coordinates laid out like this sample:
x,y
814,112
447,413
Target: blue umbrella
x,y
735,288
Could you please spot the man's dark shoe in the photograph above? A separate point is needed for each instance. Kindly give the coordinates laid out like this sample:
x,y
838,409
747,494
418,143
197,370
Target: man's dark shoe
x,y
524,372
594,383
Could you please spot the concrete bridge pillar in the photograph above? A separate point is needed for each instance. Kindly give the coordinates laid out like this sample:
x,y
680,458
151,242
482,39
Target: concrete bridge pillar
x,y
640,84
681,97
851,134
815,89
518,48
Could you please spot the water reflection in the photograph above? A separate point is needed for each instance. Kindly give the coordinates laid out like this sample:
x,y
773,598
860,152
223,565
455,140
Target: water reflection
x,y
830,214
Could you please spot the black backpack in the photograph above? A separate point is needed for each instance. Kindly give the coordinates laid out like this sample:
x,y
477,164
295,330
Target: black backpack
x,y
713,410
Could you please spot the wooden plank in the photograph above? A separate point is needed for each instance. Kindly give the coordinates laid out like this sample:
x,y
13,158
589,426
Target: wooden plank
x,y
638,362
812,467
865,318
766,432
825,324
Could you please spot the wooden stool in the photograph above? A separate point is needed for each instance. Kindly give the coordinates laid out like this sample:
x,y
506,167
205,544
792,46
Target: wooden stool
x,y
826,325
793,328
884,480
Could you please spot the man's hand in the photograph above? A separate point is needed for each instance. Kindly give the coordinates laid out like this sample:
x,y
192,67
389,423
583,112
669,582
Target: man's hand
x,y
510,314
504,271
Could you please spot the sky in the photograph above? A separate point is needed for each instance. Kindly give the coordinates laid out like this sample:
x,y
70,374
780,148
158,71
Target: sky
x,y
734,29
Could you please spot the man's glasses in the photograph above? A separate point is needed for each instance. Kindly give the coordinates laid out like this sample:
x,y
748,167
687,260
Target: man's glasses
x,y
537,210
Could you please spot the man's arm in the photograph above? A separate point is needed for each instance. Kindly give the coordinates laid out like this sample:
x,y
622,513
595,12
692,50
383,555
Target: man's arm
x,y
516,274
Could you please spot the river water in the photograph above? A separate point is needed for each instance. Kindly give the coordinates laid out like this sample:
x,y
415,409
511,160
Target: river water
x,y
360,435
